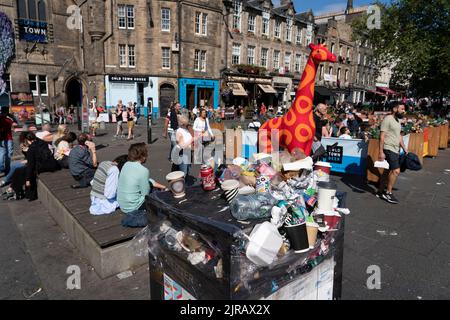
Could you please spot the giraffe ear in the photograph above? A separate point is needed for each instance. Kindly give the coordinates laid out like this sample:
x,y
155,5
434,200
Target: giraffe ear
x,y
312,46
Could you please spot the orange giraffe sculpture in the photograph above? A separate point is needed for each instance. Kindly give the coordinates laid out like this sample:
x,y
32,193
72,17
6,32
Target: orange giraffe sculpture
x,y
297,127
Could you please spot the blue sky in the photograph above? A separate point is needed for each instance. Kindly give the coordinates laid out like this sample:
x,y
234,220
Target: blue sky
x,y
322,6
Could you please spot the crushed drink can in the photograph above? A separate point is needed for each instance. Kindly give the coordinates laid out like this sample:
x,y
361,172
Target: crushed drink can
x,y
208,180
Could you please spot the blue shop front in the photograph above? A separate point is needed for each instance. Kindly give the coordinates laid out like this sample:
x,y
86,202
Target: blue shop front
x,y
199,92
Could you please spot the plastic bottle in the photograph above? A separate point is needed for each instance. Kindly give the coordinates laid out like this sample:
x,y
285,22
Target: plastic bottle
x,y
255,206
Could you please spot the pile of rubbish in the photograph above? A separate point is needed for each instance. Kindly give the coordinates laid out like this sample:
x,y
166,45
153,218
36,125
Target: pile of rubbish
x,y
286,209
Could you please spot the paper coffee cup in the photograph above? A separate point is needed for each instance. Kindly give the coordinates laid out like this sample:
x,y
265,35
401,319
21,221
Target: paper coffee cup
x,y
176,183
298,237
312,230
231,189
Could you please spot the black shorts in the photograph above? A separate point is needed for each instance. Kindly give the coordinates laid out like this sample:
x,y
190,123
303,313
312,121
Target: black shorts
x,y
393,159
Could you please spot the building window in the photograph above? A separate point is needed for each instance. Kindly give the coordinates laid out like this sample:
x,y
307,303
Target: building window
x,y
237,10
236,54
165,58
277,30
276,59
264,55
32,9
251,23
363,79
131,56
125,15
348,53
38,85
321,72
365,60
251,55
332,47
122,55
287,61
298,62
346,76
298,39
201,23
200,60
130,17
165,19
357,77
266,23
330,71
338,77
341,50
359,58
288,29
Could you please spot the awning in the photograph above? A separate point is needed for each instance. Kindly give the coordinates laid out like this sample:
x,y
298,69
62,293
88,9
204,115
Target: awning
x,y
377,92
324,91
238,89
267,88
387,90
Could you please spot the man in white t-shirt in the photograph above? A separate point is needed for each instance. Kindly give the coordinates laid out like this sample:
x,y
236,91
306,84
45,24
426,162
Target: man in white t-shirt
x,y
255,124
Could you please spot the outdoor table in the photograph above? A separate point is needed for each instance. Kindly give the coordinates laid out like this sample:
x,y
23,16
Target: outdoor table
x,y
310,275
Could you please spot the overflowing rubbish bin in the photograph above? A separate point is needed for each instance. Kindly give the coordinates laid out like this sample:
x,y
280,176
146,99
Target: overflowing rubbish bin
x,y
206,246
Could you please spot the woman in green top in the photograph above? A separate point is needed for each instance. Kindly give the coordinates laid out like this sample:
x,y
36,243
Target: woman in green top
x,y
134,185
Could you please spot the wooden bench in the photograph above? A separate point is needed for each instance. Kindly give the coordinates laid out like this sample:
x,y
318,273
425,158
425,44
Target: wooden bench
x,y
107,245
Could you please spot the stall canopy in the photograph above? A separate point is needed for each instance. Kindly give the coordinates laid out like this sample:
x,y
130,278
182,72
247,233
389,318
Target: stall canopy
x,y
238,89
386,90
377,92
267,88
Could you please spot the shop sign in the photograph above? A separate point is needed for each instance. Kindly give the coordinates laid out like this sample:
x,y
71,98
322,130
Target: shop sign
x,y
330,77
249,80
33,31
124,78
22,106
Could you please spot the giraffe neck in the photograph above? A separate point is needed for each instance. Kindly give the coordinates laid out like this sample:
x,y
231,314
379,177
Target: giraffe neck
x,y
306,87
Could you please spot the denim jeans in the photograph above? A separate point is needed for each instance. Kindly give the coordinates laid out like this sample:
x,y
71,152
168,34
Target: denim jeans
x,y
173,143
135,219
6,153
14,166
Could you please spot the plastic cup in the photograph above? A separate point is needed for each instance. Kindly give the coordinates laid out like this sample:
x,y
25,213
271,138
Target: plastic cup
x,y
298,237
231,189
176,183
332,220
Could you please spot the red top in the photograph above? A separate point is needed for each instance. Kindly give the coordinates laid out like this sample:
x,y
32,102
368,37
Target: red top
x,y
6,128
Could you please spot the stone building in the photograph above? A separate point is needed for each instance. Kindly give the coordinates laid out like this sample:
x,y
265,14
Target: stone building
x,y
274,38
48,59
354,75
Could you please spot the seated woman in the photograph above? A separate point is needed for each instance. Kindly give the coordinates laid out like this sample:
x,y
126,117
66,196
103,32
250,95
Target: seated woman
x,y
83,161
39,160
60,133
104,186
63,147
134,185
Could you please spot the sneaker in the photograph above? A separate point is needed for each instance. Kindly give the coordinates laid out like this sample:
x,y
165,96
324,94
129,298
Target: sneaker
x,y
389,197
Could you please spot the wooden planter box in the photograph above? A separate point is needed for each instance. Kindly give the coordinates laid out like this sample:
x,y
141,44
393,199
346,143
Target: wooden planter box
x,y
426,136
444,137
433,141
415,145
218,126
373,174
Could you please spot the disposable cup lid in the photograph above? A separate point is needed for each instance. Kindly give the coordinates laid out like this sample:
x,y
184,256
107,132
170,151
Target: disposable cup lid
x,y
230,184
175,175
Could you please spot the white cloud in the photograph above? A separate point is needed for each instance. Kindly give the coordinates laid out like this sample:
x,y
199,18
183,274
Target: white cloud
x,y
332,7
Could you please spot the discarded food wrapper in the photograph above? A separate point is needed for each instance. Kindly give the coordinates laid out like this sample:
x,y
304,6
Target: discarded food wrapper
x,y
240,161
264,244
381,164
261,157
278,216
125,274
196,257
247,190
306,163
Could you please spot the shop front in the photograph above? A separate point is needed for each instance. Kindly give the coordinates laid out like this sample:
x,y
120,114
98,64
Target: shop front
x,y
250,90
134,89
199,92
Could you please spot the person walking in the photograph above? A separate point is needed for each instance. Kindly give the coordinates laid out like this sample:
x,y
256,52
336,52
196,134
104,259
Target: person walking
x,y
119,119
390,143
184,144
6,141
203,135
130,121
171,125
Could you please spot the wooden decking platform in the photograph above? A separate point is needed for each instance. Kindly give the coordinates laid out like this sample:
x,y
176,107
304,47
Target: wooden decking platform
x,y
107,245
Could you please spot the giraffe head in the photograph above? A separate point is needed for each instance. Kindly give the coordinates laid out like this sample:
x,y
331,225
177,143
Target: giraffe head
x,y
320,53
